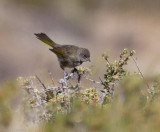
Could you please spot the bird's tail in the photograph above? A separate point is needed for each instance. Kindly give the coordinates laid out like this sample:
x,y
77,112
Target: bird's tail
x,y
43,37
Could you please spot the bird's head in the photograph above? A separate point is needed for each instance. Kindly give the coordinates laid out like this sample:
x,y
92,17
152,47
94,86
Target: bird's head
x,y
84,55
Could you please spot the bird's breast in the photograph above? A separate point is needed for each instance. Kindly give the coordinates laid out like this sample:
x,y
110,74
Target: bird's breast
x,y
69,62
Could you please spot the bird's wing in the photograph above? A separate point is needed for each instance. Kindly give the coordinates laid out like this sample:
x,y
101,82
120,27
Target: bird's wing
x,y
65,51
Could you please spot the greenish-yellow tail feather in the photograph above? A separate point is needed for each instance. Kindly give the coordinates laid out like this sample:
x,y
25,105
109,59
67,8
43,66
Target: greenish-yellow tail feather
x,y
44,38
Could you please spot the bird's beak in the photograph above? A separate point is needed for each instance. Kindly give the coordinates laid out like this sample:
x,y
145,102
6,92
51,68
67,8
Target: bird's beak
x,y
89,60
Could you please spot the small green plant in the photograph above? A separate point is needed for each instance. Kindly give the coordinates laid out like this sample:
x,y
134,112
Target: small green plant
x,y
115,72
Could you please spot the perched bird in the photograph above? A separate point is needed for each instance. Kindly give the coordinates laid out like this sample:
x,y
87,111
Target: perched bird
x,y
69,56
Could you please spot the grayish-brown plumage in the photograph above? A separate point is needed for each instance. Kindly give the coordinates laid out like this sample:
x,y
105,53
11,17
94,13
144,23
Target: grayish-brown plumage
x,y
69,56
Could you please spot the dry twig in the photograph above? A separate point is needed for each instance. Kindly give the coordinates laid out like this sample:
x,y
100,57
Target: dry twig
x,y
140,71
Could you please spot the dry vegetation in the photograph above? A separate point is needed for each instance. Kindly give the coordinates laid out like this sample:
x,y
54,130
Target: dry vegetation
x,y
127,101
113,96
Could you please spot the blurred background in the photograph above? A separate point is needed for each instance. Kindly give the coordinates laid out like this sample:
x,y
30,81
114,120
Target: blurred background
x,y
99,25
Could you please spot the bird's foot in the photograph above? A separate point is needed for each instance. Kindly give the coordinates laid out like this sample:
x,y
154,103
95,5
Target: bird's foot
x,y
73,72
65,74
78,75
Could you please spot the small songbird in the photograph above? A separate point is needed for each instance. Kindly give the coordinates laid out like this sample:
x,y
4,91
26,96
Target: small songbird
x,y
69,56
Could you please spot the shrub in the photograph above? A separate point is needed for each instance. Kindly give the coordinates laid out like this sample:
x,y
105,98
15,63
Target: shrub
x,y
127,102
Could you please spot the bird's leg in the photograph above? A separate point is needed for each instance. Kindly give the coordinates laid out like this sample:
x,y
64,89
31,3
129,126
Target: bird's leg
x,y
74,70
72,73
79,78
65,73
78,75
65,77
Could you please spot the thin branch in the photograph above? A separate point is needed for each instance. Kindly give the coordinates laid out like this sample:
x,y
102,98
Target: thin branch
x,y
102,82
65,81
108,62
140,71
39,100
40,103
43,87
41,82
93,81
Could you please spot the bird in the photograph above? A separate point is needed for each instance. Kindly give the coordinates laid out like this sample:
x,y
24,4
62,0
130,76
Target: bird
x,y
69,56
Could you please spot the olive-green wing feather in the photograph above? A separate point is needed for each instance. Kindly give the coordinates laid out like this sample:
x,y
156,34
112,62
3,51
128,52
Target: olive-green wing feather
x,y
65,50
44,38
